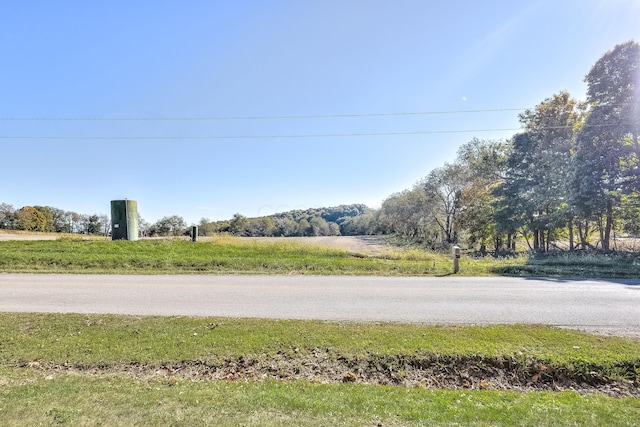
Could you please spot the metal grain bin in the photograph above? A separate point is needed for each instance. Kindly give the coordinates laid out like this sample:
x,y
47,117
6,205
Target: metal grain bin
x,y
124,220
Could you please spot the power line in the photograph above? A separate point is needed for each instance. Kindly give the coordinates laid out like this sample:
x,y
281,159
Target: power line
x,y
284,117
326,135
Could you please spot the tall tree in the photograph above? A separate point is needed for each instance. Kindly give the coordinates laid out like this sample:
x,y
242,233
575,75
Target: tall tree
x,y
535,192
485,161
608,148
58,220
48,215
443,187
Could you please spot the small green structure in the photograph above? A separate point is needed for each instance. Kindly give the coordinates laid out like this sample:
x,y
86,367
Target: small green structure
x,y
124,220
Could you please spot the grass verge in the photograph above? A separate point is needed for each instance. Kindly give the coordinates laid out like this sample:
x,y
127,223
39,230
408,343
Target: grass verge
x,y
31,400
125,370
227,255
110,339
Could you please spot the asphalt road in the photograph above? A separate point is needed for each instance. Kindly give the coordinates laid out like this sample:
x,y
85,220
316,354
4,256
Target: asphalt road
x,y
602,306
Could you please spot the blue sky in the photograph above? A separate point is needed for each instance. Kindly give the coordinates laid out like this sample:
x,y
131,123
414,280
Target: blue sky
x,y
221,59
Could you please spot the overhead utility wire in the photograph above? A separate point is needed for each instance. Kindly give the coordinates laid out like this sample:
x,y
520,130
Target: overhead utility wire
x,y
326,135
320,116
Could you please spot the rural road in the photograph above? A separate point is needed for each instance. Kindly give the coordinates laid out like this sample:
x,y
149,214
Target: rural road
x,y
601,306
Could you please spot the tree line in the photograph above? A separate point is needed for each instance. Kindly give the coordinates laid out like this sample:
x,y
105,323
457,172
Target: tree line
x,y
49,219
332,221
571,175
52,220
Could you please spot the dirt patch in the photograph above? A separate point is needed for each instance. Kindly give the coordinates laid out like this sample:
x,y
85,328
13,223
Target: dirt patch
x,y
19,236
6,235
361,244
427,371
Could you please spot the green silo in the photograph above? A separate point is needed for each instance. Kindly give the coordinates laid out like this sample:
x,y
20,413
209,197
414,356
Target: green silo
x,y
124,220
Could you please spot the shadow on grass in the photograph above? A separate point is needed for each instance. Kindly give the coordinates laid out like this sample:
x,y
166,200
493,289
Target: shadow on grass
x,y
622,281
447,274
619,267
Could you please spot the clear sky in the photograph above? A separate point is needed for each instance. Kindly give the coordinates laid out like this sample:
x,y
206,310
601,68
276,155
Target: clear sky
x,y
244,59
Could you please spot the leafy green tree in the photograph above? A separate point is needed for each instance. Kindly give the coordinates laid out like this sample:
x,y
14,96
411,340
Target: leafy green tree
x,y
286,227
334,229
485,159
93,224
206,227
630,214
304,228
173,225
30,219
485,162
319,227
607,148
48,215
534,193
476,216
360,225
58,220
410,215
261,227
238,225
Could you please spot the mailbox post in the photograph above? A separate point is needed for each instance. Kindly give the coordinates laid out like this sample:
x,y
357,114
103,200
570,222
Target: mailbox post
x,y
455,255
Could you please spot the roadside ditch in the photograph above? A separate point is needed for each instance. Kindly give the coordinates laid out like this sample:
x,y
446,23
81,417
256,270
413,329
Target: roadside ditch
x,y
515,373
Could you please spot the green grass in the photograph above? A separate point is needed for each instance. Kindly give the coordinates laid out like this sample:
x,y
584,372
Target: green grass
x,y
566,264
67,400
222,255
100,339
225,255
29,396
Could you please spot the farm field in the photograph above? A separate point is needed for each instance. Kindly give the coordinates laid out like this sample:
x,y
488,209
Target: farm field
x,y
319,256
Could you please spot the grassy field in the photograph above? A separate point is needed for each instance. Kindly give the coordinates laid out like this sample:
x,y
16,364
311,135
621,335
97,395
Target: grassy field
x,y
227,255
125,370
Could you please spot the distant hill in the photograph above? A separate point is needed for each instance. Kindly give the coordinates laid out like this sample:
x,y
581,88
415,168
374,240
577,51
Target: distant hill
x,y
332,221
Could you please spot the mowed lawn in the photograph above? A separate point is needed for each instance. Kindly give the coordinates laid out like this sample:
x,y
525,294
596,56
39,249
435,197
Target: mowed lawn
x,y
73,369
